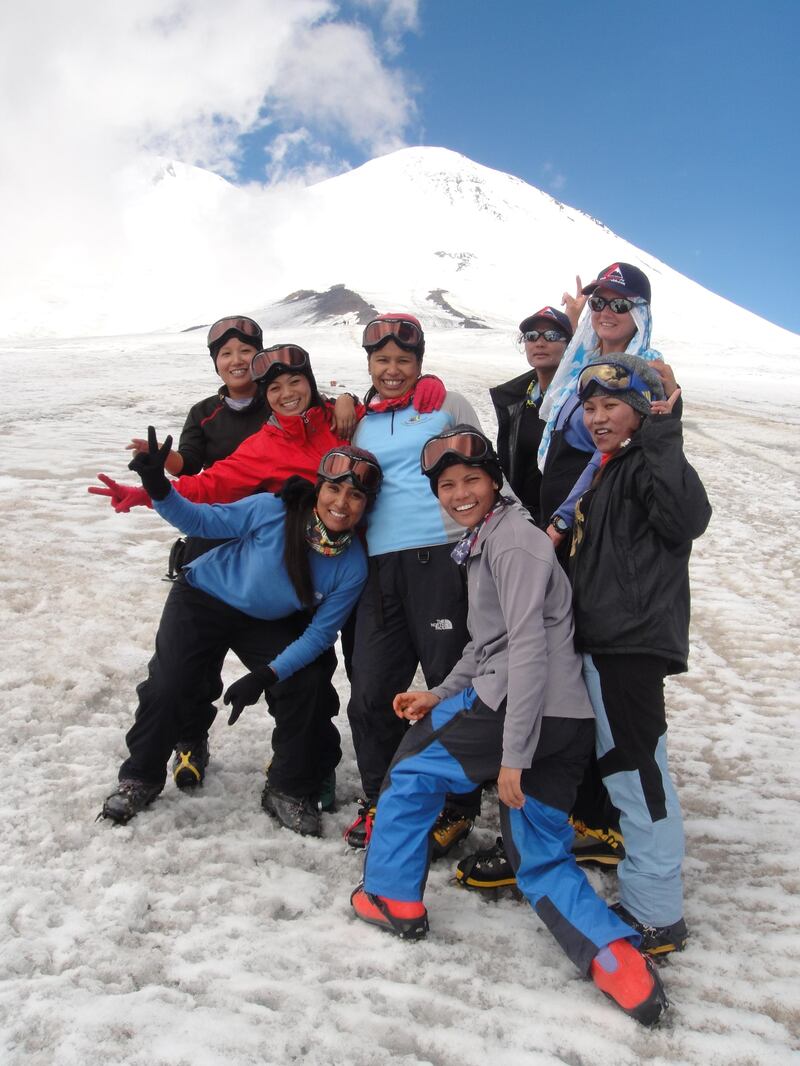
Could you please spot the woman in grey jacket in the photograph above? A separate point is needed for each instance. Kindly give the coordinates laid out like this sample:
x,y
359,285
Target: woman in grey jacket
x,y
514,707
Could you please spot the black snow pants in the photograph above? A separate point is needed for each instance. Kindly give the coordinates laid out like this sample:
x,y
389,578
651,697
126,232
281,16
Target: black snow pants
x,y
195,632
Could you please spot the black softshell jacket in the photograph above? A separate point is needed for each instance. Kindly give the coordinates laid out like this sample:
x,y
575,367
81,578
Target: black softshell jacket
x,y
631,545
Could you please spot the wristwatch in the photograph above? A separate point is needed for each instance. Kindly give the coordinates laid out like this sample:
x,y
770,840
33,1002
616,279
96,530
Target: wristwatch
x,y
559,525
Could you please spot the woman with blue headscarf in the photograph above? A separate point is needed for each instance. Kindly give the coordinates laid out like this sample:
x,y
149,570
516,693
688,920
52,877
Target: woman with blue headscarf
x,y
620,320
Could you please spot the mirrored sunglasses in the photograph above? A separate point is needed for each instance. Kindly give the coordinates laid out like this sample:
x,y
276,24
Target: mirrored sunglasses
x,y
620,305
548,334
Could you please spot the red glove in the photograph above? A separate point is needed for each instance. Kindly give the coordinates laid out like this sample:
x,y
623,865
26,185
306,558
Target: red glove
x,y
122,497
429,394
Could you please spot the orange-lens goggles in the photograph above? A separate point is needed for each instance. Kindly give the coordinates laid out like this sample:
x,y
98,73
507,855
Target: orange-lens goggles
x,y
291,355
242,325
399,329
336,466
468,446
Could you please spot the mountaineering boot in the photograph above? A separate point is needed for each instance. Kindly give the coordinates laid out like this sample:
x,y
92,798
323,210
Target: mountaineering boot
x,y
486,870
656,940
298,813
129,798
451,828
597,847
190,762
630,980
409,921
359,831
327,793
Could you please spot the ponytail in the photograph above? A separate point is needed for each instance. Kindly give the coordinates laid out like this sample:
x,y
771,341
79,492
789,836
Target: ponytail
x,y
298,496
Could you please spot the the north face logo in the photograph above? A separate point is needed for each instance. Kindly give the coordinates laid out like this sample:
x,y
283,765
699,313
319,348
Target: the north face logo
x,y
442,623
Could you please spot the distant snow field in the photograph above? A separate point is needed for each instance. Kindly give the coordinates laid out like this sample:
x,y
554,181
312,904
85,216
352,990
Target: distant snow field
x,y
202,934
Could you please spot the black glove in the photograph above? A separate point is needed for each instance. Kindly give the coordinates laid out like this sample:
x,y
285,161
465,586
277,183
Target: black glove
x,y
248,689
149,466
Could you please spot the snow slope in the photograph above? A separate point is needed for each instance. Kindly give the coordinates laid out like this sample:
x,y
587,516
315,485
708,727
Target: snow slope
x,y
421,228
202,934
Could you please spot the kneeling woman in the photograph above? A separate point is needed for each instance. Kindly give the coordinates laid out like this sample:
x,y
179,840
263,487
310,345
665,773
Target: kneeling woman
x,y
291,556
514,707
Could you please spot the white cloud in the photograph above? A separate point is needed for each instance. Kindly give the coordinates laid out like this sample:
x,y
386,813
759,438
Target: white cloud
x,y
87,87
554,178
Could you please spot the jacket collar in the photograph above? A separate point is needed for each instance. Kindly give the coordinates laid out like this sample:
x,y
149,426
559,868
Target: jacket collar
x,y
300,427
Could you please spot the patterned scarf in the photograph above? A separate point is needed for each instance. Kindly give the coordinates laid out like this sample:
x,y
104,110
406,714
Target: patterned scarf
x,y
319,539
461,551
584,347
534,394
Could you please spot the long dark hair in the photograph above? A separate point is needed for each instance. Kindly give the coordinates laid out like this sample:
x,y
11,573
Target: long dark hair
x,y
299,497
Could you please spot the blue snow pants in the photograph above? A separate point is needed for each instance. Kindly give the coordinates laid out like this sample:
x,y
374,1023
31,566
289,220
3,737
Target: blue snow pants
x,y
453,748
627,694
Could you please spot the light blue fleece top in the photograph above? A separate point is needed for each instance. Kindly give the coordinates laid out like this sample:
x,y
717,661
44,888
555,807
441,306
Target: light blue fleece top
x,y
406,513
249,573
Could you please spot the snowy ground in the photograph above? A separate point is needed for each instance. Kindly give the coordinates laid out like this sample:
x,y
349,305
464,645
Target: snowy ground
x,y
201,934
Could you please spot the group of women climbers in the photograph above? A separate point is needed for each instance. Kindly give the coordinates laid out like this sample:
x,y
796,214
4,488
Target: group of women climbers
x,y
414,593
299,431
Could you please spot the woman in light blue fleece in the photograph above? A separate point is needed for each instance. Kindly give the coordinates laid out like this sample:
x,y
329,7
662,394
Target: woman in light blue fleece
x,y
277,594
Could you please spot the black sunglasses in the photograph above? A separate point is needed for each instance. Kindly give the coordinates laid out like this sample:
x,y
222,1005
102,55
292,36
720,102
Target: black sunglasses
x,y
618,304
548,334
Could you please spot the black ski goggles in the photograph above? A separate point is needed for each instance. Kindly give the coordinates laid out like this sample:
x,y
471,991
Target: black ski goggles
x,y
405,333
470,447
340,466
291,356
237,324
613,377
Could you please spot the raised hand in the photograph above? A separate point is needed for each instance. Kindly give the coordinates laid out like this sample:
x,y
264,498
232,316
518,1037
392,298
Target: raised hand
x,y
664,407
121,497
573,305
149,465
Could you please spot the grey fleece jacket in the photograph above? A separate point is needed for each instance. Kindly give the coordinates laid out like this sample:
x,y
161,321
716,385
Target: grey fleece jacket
x,y
521,635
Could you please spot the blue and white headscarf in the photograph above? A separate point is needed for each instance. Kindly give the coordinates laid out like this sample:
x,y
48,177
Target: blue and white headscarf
x,y
585,346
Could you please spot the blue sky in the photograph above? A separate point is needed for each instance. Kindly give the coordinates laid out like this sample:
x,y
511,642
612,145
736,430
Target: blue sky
x,y
673,123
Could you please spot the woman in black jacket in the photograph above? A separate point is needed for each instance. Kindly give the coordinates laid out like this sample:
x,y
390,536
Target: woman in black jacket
x,y
629,559
545,336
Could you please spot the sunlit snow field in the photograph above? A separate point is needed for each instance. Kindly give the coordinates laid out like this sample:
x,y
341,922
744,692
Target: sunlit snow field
x,y
202,934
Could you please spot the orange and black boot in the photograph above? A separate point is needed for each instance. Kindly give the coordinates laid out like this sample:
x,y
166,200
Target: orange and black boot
x,y
631,980
409,921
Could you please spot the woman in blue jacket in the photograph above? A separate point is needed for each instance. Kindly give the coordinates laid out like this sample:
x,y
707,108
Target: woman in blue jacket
x,y
276,594
414,608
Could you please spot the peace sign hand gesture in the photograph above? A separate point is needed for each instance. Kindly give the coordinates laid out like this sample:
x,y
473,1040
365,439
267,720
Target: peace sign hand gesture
x,y
149,465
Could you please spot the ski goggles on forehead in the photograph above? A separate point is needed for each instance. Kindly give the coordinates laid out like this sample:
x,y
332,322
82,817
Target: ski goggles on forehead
x,y
240,324
620,305
288,355
405,333
613,377
338,466
471,447
547,334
